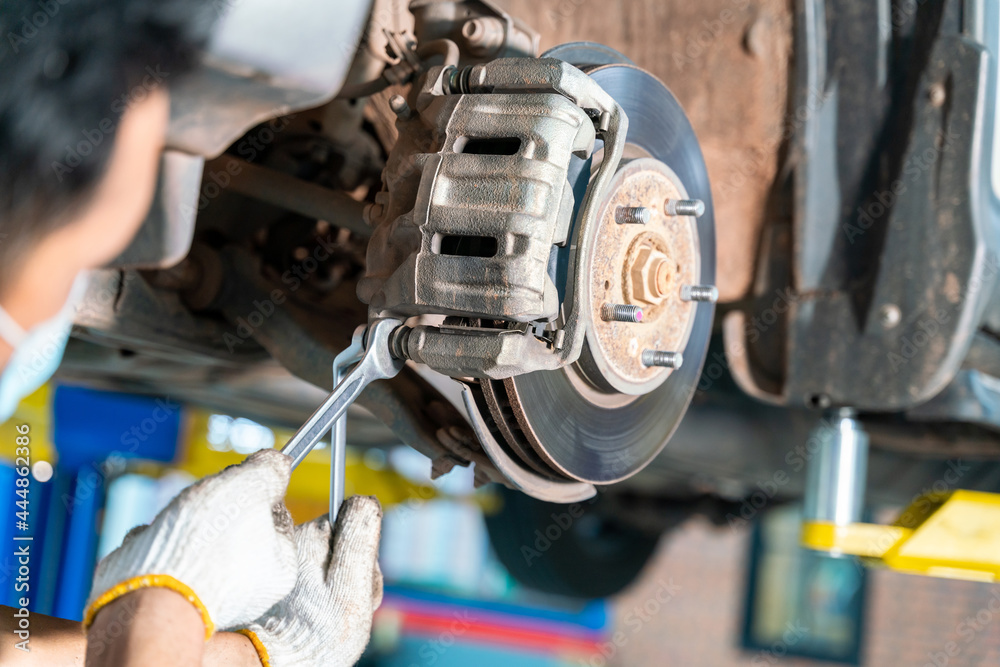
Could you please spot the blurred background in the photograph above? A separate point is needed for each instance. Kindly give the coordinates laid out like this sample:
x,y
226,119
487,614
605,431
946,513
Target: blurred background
x,y
733,591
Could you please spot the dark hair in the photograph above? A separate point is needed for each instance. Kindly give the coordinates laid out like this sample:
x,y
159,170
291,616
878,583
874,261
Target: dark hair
x,y
68,71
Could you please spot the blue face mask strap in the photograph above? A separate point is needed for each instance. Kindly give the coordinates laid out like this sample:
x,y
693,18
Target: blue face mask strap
x,y
10,330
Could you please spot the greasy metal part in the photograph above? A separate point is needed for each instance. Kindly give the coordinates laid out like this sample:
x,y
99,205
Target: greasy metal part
x,y
838,470
124,309
662,358
593,436
641,265
197,278
296,195
620,312
338,444
376,364
973,398
165,235
483,29
484,36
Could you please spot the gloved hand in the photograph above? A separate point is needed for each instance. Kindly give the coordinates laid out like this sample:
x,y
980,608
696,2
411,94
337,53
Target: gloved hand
x,y
225,543
327,618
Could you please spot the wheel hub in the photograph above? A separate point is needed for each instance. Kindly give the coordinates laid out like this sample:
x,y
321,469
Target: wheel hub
x,y
643,265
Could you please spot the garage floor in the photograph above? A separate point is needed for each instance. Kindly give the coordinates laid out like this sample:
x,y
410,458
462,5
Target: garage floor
x,y
909,620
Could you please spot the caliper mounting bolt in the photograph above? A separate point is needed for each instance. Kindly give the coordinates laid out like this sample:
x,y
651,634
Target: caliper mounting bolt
x,y
662,358
619,312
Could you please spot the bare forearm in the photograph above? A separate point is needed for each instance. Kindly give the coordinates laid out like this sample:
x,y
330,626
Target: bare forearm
x,y
57,642
152,626
230,648
50,641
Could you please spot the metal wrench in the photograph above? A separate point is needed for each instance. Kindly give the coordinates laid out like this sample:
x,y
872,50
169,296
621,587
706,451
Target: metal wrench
x,y
376,363
338,447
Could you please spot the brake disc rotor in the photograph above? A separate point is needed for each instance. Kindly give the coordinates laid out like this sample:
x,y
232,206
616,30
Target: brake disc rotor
x,y
580,428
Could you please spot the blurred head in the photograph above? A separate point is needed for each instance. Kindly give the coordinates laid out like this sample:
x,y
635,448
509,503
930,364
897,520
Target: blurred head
x,y
83,116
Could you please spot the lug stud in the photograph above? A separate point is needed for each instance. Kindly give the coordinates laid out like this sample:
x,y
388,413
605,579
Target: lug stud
x,y
662,358
632,215
694,207
700,293
619,312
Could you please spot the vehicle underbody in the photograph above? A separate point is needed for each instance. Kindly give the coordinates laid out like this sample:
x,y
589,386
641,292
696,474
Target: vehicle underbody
x,y
471,168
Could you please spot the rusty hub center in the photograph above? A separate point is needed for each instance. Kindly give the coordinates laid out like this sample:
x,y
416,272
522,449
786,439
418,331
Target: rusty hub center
x,y
642,264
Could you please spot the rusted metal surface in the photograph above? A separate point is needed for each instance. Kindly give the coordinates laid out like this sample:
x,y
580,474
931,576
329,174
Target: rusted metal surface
x,y
625,252
727,61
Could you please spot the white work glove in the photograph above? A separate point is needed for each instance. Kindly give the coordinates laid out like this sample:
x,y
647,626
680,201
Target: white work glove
x,y
327,618
225,543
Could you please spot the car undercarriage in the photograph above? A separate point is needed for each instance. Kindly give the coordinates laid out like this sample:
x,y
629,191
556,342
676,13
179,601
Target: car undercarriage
x,y
639,262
